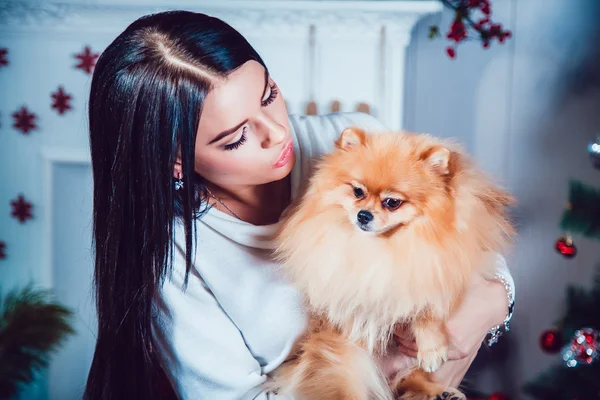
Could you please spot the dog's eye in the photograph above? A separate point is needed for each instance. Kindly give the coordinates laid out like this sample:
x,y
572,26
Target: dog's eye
x,y
391,204
359,193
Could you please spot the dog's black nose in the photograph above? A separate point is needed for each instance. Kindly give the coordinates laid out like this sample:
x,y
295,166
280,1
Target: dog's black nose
x,y
364,217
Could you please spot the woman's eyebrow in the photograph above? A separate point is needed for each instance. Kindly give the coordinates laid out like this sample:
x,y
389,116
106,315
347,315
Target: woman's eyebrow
x,y
228,132
238,126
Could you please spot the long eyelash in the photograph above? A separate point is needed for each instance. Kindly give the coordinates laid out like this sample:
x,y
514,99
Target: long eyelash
x,y
233,146
272,96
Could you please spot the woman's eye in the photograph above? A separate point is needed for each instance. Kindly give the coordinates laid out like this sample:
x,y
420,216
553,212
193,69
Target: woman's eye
x,y
272,95
391,204
237,143
359,193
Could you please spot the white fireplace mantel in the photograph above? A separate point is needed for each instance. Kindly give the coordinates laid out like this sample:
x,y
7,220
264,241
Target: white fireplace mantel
x,y
273,16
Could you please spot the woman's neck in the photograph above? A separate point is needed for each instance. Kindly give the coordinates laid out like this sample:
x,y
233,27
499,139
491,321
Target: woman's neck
x,y
257,204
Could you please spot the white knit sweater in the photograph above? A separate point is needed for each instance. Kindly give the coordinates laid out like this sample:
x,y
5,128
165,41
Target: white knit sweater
x,y
237,319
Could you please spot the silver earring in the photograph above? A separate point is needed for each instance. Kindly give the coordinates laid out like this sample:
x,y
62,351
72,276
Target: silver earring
x,y
178,183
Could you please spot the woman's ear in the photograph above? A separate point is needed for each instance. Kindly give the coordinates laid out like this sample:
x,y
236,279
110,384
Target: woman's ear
x,y
177,169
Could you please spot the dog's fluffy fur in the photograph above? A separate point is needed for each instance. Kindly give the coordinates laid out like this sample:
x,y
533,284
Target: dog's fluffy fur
x,y
428,220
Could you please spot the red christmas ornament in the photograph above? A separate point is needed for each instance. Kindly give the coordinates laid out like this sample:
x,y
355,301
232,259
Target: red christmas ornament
x,y
2,250
451,52
24,120
61,101
3,59
551,341
498,396
87,60
565,246
21,209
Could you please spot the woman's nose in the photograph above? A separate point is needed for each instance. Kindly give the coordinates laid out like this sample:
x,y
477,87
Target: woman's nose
x,y
274,133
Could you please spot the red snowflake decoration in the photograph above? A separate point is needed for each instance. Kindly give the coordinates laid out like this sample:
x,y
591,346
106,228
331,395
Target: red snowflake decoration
x,y
21,209
2,250
87,60
3,59
61,101
24,120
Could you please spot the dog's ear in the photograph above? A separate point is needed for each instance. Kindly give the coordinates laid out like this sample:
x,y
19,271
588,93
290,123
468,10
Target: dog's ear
x,y
350,137
438,158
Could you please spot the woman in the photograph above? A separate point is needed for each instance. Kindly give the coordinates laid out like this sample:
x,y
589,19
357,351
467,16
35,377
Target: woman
x,y
194,160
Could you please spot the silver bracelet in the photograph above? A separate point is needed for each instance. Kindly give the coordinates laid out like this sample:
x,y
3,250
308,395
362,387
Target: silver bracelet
x,y
497,331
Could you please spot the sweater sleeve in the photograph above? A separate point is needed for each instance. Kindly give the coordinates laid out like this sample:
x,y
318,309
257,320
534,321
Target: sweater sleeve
x,y
202,351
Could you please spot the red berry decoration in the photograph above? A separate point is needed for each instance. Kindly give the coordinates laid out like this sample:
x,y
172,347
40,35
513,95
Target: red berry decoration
x,y
471,16
24,120
451,52
60,101
2,250
3,59
21,209
498,396
551,341
565,246
87,60
458,32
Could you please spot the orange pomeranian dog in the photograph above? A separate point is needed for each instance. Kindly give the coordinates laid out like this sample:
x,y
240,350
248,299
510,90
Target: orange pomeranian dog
x,y
389,231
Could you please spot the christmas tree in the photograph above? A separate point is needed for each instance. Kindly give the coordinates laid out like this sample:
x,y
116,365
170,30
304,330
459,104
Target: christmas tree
x,y
576,374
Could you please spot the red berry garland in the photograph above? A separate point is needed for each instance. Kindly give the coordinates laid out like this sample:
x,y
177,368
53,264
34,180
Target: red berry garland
x,y
484,29
451,52
24,120
61,101
21,209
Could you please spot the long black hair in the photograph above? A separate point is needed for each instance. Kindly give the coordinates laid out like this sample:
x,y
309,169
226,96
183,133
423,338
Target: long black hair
x,y
146,99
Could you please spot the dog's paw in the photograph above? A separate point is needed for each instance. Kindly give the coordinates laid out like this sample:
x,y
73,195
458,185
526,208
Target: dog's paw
x,y
450,394
432,360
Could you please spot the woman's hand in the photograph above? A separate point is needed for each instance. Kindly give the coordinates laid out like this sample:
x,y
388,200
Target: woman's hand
x,y
484,305
450,374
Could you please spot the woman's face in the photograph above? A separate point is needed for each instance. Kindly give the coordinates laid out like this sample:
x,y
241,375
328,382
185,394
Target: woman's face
x,y
244,136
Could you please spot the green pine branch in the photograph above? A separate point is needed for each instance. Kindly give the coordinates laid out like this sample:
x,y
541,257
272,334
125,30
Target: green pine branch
x,y
31,327
583,214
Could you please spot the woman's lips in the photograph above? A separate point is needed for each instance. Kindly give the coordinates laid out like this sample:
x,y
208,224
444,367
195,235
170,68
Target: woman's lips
x,y
286,154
